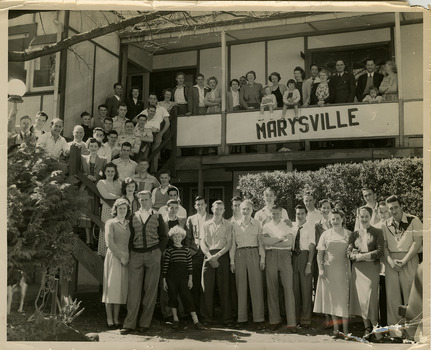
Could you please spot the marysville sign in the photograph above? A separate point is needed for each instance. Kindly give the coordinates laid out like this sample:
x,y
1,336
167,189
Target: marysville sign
x,y
332,122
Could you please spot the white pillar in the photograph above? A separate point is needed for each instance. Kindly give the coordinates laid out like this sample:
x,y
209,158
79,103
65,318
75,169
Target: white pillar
x,y
223,70
400,80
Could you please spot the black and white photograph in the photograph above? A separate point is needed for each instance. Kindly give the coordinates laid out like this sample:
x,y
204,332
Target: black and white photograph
x,y
245,176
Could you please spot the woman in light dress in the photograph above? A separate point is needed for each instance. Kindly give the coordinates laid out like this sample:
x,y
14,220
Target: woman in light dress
x,y
389,86
213,97
115,272
332,294
109,188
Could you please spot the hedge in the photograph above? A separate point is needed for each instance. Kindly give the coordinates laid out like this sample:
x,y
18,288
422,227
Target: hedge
x,y
401,176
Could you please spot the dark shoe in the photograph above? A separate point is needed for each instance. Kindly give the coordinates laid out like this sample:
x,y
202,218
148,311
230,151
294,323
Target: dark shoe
x,y
169,319
241,325
111,326
259,326
125,331
175,325
142,330
118,325
290,329
274,327
199,326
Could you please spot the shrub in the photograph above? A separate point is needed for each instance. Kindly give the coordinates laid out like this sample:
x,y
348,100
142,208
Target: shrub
x,y
402,177
43,206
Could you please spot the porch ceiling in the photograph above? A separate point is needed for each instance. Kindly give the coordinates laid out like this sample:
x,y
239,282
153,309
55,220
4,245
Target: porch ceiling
x,y
179,35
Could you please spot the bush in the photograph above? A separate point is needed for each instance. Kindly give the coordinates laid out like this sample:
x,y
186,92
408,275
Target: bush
x,y
43,206
402,177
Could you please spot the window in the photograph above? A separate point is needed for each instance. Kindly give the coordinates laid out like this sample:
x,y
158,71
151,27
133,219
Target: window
x,y
211,194
166,79
44,71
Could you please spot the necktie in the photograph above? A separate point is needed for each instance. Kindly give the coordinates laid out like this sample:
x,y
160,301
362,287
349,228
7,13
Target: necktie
x,y
297,249
369,83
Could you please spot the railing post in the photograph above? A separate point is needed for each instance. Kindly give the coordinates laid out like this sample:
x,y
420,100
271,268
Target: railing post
x,y
74,160
400,79
223,148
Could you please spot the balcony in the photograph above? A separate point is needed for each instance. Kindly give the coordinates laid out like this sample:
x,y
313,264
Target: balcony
x,y
401,121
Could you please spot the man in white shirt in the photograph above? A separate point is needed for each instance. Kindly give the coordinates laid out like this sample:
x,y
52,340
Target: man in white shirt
x,y
99,120
125,166
120,120
264,215
303,253
277,237
129,136
173,194
313,214
52,142
109,149
181,94
37,128
236,209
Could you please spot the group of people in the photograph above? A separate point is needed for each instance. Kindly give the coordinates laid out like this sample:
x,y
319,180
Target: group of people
x,y
323,267
125,120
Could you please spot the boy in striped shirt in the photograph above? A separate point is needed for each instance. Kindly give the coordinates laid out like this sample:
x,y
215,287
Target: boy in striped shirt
x,y
178,277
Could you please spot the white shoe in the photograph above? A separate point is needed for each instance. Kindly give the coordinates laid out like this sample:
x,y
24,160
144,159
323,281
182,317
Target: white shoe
x,y
284,149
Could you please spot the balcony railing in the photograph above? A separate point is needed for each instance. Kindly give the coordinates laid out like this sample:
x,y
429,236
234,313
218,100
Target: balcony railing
x,y
331,122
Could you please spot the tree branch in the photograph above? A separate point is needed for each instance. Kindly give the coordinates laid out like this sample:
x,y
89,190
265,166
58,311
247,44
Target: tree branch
x,y
20,56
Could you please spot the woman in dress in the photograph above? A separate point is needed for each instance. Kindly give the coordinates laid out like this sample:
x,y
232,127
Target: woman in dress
x,y
389,86
213,97
115,272
129,188
299,75
365,250
321,226
278,89
322,93
110,188
251,93
332,294
92,167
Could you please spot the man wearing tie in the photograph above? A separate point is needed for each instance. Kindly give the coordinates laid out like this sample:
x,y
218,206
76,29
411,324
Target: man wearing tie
x,y
371,78
343,84
308,84
302,259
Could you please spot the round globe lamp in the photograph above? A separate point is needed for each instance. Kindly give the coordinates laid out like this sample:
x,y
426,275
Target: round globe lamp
x,y
16,90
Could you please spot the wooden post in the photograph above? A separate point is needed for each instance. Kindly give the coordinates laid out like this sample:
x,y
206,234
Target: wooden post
x,y
63,67
200,182
54,295
400,79
223,148
123,66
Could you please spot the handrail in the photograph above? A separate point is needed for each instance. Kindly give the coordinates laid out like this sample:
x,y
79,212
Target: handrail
x,y
168,139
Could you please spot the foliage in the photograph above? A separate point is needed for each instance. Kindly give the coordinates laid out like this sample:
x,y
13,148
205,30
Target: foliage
x,y
401,176
43,206
69,310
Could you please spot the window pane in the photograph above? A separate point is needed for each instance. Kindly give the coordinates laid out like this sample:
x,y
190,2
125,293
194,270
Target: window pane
x,y
44,71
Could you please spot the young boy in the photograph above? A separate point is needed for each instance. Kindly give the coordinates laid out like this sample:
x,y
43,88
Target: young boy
x,y
86,124
24,134
372,96
129,136
178,277
291,98
160,195
37,128
98,134
144,180
268,100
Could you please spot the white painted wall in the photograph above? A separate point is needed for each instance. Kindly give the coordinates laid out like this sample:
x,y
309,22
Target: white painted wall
x,y
210,63
352,38
246,57
283,56
180,59
412,60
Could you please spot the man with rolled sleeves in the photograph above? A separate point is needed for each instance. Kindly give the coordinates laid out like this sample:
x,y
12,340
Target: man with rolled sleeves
x,y
278,241
194,227
147,241
215,242
302,260
247,260
403,239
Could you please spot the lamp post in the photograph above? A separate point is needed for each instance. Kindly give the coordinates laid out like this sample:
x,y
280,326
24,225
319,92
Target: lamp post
x,y
16,90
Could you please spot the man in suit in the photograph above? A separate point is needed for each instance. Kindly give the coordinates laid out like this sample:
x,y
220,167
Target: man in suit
x,y
170,220
196,96
194,227
113,102
343,84
371,78
181,94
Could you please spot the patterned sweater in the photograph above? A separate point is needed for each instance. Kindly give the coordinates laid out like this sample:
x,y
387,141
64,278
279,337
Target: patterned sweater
x,y
177,255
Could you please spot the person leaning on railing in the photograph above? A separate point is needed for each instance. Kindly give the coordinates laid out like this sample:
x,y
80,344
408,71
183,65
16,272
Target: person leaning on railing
x,y
389,86
110,188
322,93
